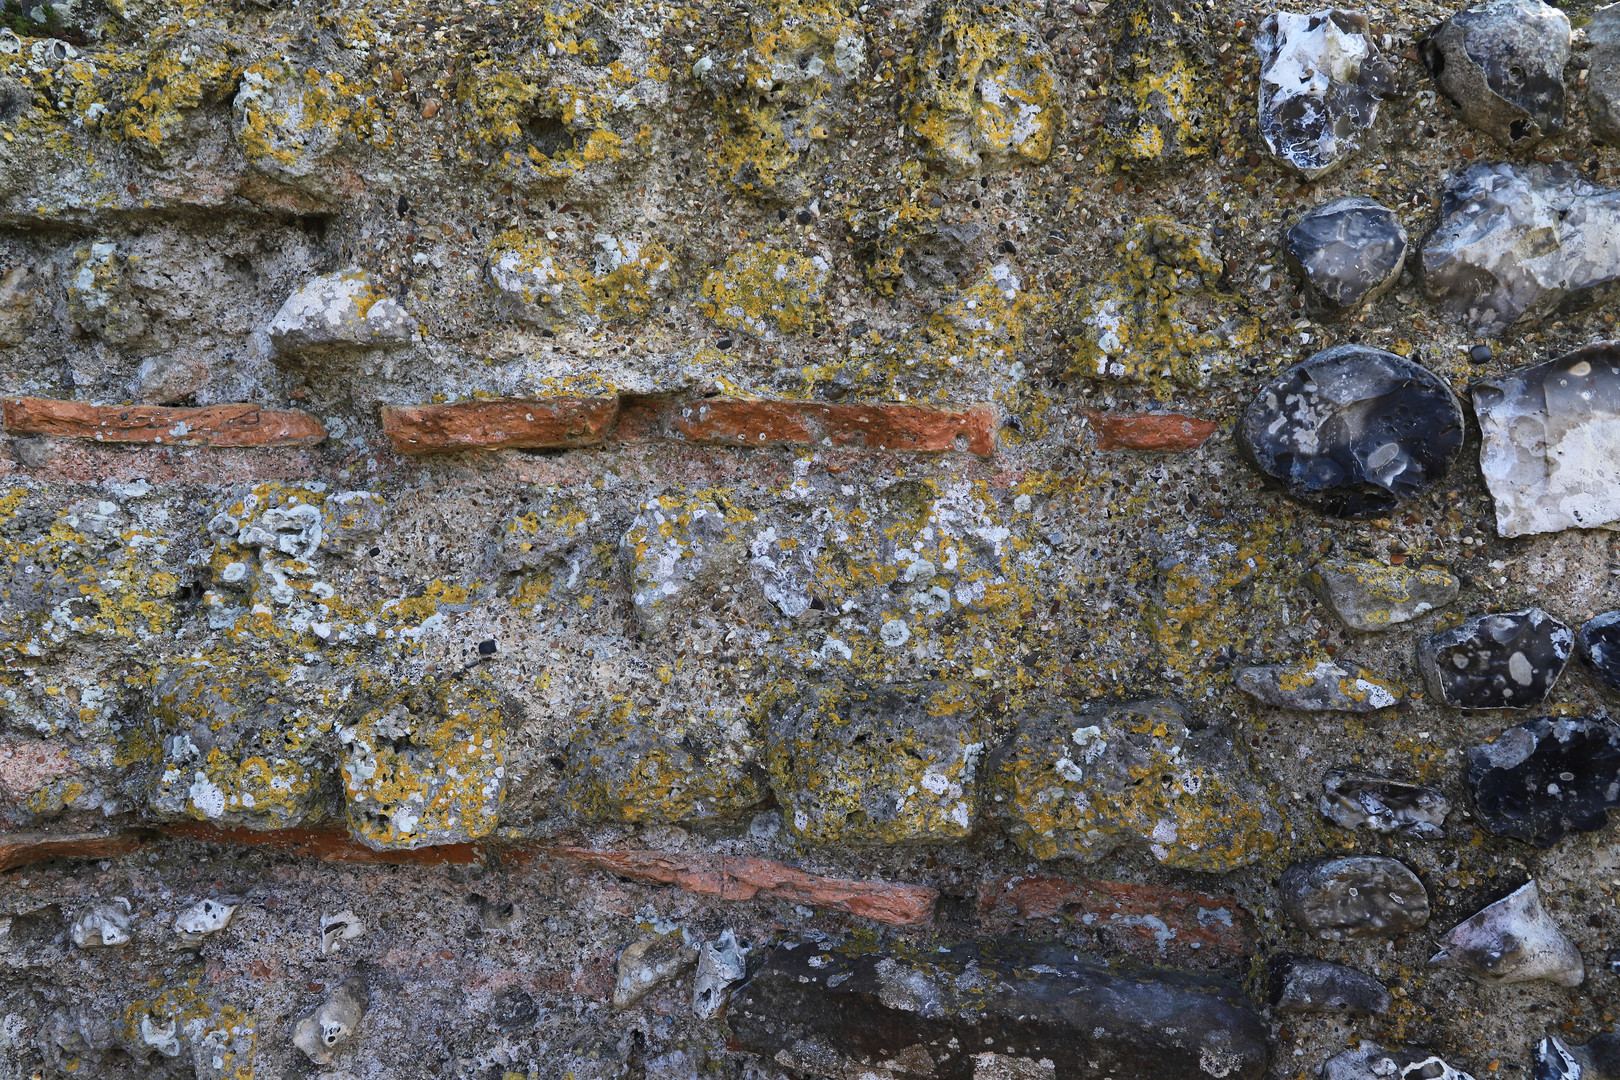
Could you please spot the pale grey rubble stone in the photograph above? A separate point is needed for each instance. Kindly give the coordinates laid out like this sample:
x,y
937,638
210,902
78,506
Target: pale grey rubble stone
x,y
103,924
1353,801
1369,1061
534,287
1517,243
646,964
203,918
1603,77
19,289
675,553
1319,687
1349,253
1321,81
1550,442
338,312
170,377
1370,596
1361,896
1502,62
322,1033
722,964
1514,940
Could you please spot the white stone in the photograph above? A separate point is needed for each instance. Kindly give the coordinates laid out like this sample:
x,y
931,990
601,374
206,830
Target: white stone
x,y
102,925
344,311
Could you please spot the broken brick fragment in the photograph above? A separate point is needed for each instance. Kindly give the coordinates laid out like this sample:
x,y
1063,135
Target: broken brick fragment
x,y
910,428
1166,433
21,848
499,424
210,425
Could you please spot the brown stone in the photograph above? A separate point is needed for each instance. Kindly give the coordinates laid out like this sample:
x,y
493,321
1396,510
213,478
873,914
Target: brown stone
x,y
325,845
21,848
744,878
738,422
1167,433
210,425
499,424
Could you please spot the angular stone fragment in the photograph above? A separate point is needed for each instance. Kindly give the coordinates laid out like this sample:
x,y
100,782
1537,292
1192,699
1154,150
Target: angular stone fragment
x,y
1549,441
880,764
1368,595
1370,1061
322,1033
1361,896
551,424
203,918
1319,687
1502,62
988,1010
1380,805
1302,985
1603,77
1321,81
1513,940
675,552
531,281
1348,252
1542,778
1599,1059
1506,660
1517,243
102,924
340,312
722,964
1599,646
1353,431
642,966
211,425
1081,781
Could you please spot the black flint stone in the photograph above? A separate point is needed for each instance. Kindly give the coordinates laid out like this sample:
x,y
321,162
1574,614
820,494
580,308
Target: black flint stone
x,y
1360,896
1599,646
1540,779
1354,801
1348,251
1599,1059
1302,985
1353,431
1506,660
927,1013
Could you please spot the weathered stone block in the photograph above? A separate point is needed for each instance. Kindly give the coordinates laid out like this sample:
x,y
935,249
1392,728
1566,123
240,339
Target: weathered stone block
x,y
337,313
674,552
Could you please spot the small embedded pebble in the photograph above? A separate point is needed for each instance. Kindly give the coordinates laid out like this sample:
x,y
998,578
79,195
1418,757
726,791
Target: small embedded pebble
x,y
1514,940
338,928
1303,985
1353,431
203,918
1369,1061
1349,252
1480,354
1361,896
1598,644
1371,596
1380,805
1505,660
1502,62
1321,81
1319,687
323,1032
104,924
1597,1059
644,965
1540,779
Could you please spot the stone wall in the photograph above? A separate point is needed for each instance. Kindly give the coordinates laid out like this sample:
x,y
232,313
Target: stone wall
x,y
786,539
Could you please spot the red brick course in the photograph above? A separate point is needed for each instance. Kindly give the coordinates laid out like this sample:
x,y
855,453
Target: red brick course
x,y
210,425
739,422
499,424
1167,433
21,848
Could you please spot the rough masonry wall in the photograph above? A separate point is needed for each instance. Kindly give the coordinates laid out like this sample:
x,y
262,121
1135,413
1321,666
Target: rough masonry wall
x,y
630,540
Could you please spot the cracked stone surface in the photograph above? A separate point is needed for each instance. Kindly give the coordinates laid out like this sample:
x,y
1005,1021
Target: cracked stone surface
x,y
1502,62
1321,82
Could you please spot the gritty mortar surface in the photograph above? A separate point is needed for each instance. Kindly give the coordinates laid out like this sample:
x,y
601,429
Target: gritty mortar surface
x,y
817,201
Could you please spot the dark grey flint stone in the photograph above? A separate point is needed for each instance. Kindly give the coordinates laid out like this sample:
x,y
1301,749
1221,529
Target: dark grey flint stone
x,y
1603,78
1502,62
1354,801
989,1008
1369,1061
1514,940
1599,646
1516,243
1550,441
1348,252
1302,985
1321,80
1506,660
1353,431
1599,1059
1361,896
1540,779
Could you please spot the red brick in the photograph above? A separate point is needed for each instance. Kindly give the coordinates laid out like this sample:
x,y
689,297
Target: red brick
x,y
1152,922
744,878
499,424
211,425
1167,433
325,845
740,422
21,848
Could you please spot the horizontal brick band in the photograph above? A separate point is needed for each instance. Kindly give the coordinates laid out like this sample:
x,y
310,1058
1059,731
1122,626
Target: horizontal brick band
x,y
22,848
210,425
326,845
499,424
1161,432
744,878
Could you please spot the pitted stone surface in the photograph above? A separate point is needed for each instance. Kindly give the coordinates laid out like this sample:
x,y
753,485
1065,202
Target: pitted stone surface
x,y
1321,82
1353,431
1361,896
1349,252
1539,780
1507,660
1550,435
1502,62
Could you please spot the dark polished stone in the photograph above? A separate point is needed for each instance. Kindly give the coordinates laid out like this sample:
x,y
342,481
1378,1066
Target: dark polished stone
x,y
1598,1059
1357,897
1540,779
1599,647
1348,252
1502,62
1353,431
1301,985
1321,81
1505,660
1354,801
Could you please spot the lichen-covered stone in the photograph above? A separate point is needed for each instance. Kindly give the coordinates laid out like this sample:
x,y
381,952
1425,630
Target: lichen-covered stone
x,y
876,764
1080,782
1321,82
531,281
1538,780
1319,686
337,313
766,292
1514,940
426,765
1161,113
1349,252
1549,437
1502,62
675,552
1507,660
1373,596
100,298
1360,896
1517,243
